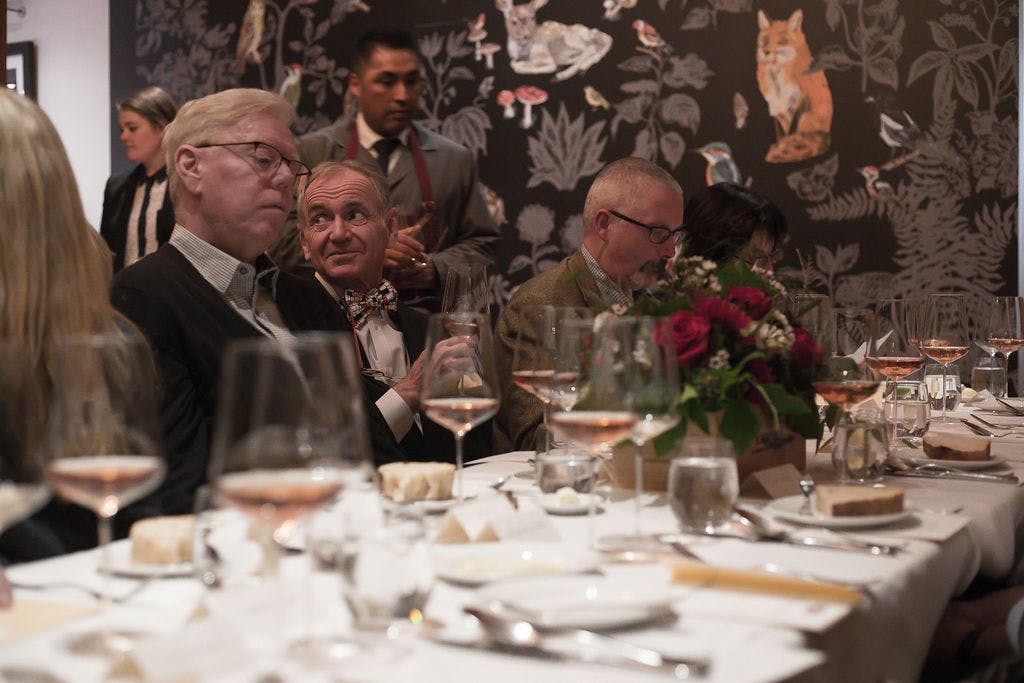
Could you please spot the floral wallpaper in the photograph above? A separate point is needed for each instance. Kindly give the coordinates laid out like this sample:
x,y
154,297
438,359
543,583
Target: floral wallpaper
x,y
886,130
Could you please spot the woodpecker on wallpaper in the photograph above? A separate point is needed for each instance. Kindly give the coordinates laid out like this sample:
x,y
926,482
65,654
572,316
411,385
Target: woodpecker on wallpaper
x,y
799,101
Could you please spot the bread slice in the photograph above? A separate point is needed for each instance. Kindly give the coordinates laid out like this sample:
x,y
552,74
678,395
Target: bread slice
x,y
162,540
852,500
956,446
404,482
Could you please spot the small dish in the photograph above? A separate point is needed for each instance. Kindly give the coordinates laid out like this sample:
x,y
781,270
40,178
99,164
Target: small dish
x,y
791,508
553,506
121,564
480,566
967,465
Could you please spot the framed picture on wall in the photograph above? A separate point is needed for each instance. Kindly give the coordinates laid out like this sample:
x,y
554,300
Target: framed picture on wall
x,y
21,68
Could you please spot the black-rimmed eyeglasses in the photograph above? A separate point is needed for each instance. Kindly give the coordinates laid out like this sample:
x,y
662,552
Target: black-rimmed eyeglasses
x,y
657,234
266,159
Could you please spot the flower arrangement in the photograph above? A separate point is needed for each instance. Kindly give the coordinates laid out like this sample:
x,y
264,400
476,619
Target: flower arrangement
x,y
738,354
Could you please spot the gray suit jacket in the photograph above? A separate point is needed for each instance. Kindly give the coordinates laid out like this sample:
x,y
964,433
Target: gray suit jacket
x,y
567,284
466,230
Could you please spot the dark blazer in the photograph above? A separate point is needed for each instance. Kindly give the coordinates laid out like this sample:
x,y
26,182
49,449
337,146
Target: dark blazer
x,y
188,325
117,207
435,443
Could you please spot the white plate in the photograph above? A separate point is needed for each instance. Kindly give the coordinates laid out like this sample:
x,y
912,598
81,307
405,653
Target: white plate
x,y
790,509
908,454
551,504
428,507
121,565
478,566
579,601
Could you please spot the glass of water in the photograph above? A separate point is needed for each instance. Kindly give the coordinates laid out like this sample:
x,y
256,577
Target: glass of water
x,y
906,419
563,467
861,446
703,484
950,393
989,375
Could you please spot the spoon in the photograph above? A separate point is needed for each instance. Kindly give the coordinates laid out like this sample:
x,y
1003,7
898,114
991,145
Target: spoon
x,y
522,635
806,488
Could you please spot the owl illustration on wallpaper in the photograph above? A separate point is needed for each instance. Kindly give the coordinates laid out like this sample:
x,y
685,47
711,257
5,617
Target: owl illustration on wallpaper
x,y
800,102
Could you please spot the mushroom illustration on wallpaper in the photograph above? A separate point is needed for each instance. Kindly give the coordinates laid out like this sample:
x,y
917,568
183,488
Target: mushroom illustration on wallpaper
x,y
530,96
800,102
507,99
545,48
613,7
251,34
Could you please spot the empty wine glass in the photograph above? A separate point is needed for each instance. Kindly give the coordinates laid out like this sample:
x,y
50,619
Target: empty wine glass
x,y
460,391
944,338
1005,329
104,439
853,329
814,313
466,289
890,353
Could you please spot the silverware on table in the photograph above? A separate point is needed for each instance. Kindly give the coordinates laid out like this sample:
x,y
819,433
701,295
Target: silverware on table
x,y
977,429
770,531
893,469
986,431
1009,406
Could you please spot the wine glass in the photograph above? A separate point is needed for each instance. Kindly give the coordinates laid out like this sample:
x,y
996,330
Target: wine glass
x,y
104,439
289,439
944,337
853,329
1005,330
466,289
460,391
535,359
890,353
814,313
656,393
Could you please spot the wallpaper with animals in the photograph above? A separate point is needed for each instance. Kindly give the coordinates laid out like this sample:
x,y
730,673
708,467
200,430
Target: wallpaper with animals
x,y
886,130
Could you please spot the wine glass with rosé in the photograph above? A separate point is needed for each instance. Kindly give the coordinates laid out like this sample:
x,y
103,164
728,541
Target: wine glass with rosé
x,y
890,354
945,337
104,440
1005,329
460,389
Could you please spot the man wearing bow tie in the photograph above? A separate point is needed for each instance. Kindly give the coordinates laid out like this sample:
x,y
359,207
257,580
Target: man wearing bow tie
x,y
345,227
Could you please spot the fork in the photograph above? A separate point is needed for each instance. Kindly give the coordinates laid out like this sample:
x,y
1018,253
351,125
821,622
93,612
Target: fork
x,y
994,425
1004,432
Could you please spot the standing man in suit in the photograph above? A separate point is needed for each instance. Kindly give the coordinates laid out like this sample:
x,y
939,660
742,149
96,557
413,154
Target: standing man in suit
x,y
233,174
632,222
345,228
432,180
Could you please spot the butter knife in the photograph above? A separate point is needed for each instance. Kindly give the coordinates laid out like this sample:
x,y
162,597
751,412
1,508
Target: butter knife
x,y
964,476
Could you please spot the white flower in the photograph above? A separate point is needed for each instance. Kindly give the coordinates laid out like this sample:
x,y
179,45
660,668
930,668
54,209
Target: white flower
x,y
720,360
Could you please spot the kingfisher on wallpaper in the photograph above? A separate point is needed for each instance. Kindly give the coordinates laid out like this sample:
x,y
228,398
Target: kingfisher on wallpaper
x,y
594,98
721,168
251,34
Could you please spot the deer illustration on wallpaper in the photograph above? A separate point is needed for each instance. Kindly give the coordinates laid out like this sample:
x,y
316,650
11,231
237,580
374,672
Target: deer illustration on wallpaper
x,y
544,48
800,102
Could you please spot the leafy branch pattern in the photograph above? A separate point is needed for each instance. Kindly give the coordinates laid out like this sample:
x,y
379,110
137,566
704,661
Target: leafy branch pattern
x,y
467,125
875,38
563,151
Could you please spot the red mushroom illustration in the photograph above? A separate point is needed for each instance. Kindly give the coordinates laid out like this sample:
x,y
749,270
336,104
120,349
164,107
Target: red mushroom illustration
x,y
477,32
488,50
530,95
507,99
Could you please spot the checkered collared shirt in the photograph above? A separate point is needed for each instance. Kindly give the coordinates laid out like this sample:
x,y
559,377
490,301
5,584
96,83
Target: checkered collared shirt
x,y
237,282
610,292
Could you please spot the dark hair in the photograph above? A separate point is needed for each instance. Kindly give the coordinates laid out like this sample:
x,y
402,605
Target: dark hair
x,y
720,220
382,36
152,104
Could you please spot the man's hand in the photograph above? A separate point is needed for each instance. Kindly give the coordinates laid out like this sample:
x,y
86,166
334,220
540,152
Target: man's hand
x,y
407,263
409,387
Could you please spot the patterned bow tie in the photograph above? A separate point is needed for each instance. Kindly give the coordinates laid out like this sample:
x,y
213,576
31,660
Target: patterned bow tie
x,y
359,306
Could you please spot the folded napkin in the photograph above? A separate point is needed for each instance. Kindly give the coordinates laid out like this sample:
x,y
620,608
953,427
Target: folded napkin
x,y
700,574
26,617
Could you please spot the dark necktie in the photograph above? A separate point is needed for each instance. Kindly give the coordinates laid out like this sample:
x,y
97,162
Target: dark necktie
x,y
385,147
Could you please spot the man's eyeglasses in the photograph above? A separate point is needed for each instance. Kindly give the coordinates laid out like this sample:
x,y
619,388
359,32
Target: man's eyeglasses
x,y
763,261
656,234
266,159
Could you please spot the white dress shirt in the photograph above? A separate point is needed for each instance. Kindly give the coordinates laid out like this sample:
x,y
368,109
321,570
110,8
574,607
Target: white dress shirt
x,y
368,137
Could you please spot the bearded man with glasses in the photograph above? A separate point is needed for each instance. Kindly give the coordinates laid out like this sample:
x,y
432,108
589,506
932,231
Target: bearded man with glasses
x,y
233,175
632,221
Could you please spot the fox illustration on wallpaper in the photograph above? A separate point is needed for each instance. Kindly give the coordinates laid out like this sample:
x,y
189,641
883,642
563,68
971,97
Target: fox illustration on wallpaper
x,y
800,102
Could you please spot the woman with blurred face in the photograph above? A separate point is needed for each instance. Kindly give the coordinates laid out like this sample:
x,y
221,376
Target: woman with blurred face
x,y
137,213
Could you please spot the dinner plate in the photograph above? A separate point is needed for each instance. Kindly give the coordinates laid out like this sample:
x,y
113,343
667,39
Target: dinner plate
x,y
121,564
430,507
967,465
578,601
552,505
790,509
479,566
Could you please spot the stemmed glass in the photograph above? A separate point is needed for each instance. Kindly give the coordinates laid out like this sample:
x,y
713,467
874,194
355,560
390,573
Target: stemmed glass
x,y
656,392
460,391
289,439
853,329
944,336
104,439
890,353
1005,331
814,313
536,366
466,289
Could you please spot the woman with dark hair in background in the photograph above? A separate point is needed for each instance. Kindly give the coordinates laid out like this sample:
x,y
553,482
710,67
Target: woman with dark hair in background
x,y
724,222
137,213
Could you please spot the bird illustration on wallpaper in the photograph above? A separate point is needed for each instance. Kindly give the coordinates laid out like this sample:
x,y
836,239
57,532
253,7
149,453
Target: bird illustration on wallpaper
x,y
721,167
544,48
251,34
800,102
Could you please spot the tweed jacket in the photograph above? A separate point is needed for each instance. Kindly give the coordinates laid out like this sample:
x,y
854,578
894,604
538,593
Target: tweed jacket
x,y
567,284
117,208
466,230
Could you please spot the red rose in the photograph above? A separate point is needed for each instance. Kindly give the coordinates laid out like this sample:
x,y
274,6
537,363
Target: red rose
x,y
689,332
729,315
751,300
761,371
806,352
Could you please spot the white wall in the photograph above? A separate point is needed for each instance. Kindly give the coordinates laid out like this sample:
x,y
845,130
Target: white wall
x,y
73,62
